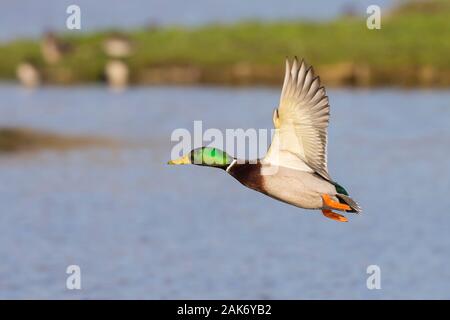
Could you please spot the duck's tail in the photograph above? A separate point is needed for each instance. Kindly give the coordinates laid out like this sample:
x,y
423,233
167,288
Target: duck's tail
x,y
350,202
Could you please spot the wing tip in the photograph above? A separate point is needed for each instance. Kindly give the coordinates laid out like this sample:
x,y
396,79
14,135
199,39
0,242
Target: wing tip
x,y
288,66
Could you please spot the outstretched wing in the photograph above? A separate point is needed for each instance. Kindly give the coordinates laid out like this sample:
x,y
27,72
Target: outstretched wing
x,y
301,122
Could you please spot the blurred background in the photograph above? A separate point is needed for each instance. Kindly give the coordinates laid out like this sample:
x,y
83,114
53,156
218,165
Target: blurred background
x,y
86,118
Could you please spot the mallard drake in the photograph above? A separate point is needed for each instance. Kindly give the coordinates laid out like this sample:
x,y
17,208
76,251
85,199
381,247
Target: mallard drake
x,y
294,169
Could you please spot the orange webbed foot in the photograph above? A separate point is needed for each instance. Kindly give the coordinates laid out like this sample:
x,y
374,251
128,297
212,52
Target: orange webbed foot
x,y
334,216
328,202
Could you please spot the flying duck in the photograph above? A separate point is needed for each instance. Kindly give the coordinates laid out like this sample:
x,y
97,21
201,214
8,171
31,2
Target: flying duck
x,y
294,169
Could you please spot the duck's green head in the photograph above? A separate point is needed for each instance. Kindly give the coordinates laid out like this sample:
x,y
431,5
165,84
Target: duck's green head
x,y
205,156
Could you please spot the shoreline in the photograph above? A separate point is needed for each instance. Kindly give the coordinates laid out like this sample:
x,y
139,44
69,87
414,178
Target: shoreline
x,y
340,75
410,50
19,139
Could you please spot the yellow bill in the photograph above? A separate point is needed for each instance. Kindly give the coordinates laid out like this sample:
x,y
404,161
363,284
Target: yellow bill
x,y
182,160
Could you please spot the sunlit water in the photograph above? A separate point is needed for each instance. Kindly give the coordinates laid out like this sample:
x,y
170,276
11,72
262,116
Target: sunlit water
x,y
141,229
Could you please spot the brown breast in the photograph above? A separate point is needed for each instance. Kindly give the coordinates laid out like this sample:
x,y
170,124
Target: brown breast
x,y
249,174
